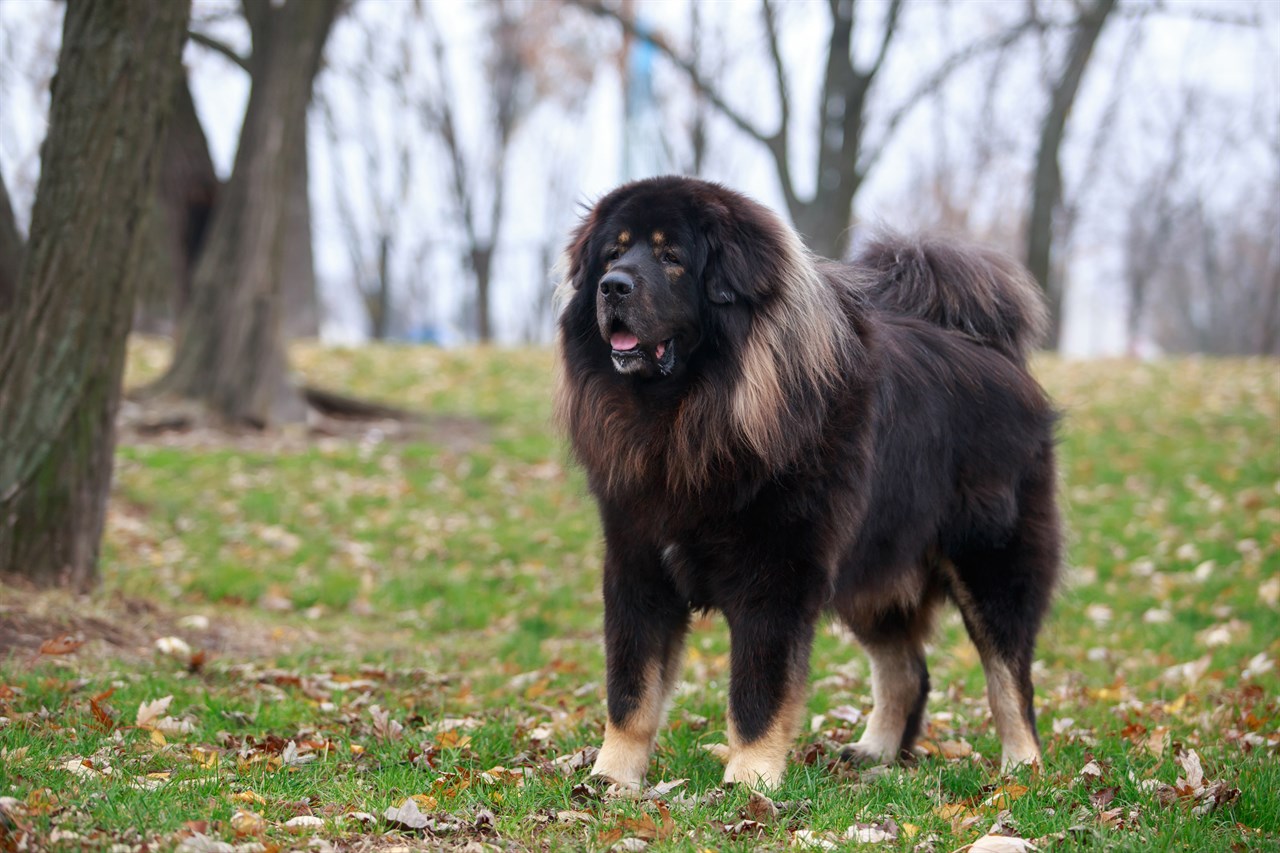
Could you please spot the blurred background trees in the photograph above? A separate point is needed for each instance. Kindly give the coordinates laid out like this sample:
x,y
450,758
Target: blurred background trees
x,y
1113,144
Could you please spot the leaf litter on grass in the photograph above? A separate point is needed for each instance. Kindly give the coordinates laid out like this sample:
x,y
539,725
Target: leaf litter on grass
x,y
440,646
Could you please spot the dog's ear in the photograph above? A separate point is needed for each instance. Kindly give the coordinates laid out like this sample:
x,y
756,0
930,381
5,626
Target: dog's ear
x,y
577,255
744,251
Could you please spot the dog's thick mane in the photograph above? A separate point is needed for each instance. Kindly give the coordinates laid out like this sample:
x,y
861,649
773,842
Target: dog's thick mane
x,y
756,404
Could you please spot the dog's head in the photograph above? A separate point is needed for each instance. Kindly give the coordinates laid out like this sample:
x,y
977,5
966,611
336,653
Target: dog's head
x,y
668,265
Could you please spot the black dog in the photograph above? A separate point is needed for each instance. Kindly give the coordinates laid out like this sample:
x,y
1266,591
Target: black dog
x,y
772,435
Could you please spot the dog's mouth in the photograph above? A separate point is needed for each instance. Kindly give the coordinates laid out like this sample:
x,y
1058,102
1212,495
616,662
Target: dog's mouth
x,y
630,356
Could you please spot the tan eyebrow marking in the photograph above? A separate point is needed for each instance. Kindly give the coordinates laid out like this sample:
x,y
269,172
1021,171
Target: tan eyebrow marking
x,y
658,238
624,237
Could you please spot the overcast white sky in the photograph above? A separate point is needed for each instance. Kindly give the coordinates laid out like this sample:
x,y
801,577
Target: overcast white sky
x,y
567,153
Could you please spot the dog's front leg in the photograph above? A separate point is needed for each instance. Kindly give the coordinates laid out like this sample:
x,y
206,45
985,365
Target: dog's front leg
x,y
644,627
769,668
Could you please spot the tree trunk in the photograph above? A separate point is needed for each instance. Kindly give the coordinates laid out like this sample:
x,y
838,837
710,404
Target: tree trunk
x,y
62,345
482,265
11,250
187,191
301,311
1046,192
231,347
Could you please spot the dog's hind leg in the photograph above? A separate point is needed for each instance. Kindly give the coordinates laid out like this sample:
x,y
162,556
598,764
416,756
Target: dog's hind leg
x,y
1006,650
1003,593
645,626
894,643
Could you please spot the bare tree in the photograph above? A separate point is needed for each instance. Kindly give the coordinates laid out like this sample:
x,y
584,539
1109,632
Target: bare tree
x,y
844,158
1217,290
1046,186
1151,219
508,81
372,198
230,348
62,342
529,59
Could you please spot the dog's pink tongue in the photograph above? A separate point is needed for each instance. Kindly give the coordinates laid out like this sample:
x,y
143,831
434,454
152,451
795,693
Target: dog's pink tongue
x,y
623,341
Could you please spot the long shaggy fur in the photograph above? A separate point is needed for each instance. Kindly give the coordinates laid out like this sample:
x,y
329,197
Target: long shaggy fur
x,y
773,435
971,289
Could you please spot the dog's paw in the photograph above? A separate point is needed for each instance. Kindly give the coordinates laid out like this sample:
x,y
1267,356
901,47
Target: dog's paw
x,y
761,775
616,789
860,756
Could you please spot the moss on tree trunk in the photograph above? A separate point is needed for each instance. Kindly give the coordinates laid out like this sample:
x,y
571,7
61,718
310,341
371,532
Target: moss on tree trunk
x,y
62,340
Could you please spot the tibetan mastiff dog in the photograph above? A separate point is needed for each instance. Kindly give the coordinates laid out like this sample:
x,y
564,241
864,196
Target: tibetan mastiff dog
x,y
774,435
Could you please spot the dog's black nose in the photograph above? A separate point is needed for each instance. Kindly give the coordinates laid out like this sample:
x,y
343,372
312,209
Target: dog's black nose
x,y
617,283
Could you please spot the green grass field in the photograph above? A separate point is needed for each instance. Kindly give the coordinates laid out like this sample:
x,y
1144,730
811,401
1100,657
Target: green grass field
x,y
348,626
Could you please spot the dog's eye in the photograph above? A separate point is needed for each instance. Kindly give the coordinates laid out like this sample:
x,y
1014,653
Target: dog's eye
x,y
614,253
669,257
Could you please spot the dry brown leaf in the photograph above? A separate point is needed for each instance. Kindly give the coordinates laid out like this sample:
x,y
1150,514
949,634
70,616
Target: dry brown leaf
x,y
63,645
1003,797
245,822
760,808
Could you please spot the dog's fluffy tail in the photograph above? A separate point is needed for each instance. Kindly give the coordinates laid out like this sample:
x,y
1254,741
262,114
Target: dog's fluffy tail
x,y
971,289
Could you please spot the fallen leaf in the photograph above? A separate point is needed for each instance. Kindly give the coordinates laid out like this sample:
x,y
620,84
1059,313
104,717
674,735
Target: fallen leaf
x,y
450,739
1000,844
245,822
149,712
662,789
809,839
406,815
63,645
303,823
1003,797
1102,797
873,833
104,720
173,647
760,808
751,828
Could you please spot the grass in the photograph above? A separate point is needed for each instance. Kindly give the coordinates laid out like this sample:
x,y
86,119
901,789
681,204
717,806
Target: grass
x,y
374,621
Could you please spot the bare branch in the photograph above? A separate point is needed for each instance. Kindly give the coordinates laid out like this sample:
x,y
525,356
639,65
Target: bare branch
x,y
699,82
890,29
779,72
1160,7
220,47
938,78
442,113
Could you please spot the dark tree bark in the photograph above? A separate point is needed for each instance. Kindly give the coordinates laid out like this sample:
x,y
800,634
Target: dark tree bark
x,y
62,345
230,351
185,198
11,250
1046,191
